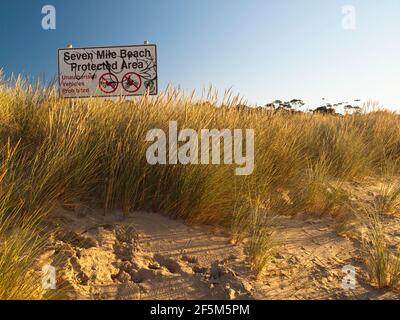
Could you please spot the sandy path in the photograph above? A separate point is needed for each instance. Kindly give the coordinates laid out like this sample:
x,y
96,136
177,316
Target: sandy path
x,y
309,263
149,256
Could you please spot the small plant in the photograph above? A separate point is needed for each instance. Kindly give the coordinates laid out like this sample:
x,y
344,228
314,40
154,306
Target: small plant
x,y
383,263
240,223
262,242
389,198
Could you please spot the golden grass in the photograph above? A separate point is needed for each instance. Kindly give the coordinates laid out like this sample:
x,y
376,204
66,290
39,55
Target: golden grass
x,y
382,261
57,151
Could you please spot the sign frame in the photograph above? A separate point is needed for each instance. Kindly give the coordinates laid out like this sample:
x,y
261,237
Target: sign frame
x,y
107,47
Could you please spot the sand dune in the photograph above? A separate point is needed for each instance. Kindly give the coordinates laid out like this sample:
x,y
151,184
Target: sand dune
x,y
149,256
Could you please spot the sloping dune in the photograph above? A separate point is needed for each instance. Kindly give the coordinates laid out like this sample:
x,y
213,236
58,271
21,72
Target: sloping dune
x,y
149,256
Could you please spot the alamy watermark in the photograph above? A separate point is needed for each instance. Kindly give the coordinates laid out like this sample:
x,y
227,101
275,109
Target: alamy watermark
x,y
49,280
49,19
349,17
349,281
187,147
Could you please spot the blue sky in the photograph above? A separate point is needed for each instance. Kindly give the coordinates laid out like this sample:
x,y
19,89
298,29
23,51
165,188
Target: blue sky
x,y
264,49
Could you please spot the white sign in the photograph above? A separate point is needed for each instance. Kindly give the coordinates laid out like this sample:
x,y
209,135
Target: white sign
x,y
107,71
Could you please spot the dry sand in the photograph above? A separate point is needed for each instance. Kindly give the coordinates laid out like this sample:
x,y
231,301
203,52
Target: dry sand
x,y
149,256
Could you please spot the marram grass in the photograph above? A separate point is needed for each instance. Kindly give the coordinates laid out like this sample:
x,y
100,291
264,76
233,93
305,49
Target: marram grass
x,y
56,151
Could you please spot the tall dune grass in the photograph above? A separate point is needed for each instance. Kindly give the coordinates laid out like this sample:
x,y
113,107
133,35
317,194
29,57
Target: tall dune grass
x,y
56,151
382,260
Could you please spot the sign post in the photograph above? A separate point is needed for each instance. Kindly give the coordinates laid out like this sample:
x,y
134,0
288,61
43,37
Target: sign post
x,y
108,71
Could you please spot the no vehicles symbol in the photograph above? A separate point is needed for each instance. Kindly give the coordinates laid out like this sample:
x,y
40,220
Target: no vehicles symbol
x,y
108,83
131,82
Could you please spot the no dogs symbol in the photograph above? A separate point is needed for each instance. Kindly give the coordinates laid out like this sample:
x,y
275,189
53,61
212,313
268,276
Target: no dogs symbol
x,y
131,82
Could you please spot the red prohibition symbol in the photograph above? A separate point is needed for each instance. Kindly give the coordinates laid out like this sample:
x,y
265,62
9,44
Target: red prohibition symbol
x,y
108,83
131,82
